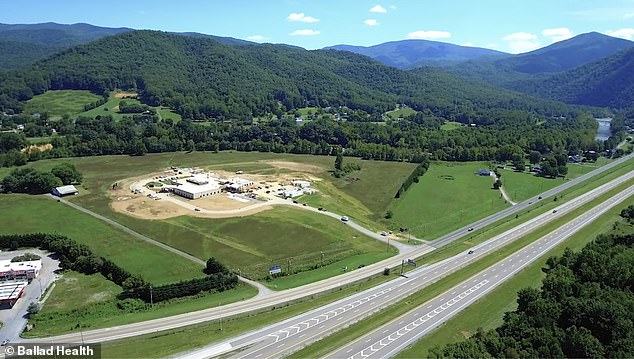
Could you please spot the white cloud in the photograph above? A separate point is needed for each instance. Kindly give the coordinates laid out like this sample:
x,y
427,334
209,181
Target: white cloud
x,y
301,17
371,22
429,35
305,32
626,33
256,38
519,42
379,9
558,34
468,44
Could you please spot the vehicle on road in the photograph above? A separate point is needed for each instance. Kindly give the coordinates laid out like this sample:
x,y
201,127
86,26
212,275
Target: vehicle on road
x,y
197,209
470,252
554,211
470,229
345,218
361,265
384,234
320,208
4,342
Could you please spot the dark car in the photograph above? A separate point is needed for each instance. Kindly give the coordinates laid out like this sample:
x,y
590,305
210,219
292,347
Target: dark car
x,y
470,229
471,251
4,342
320,208
361,265
294,201
554,211
197,209
304,204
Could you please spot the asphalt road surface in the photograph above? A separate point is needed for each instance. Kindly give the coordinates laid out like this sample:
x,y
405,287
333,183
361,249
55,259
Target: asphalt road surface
x,y
291,335
276,298
389,339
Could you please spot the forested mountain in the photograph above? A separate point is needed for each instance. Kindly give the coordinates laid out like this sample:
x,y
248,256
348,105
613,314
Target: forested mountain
x,y
558,57
202,78
607,82
414,53
24,44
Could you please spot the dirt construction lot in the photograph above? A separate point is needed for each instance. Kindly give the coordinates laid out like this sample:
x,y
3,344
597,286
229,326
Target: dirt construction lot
x,y
131,195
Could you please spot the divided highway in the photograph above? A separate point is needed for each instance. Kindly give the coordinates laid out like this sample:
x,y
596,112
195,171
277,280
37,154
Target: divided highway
x,y
389,339
293,334
276,298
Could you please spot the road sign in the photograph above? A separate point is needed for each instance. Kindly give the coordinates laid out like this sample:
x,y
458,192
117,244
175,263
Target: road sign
x,y
411,263
275,269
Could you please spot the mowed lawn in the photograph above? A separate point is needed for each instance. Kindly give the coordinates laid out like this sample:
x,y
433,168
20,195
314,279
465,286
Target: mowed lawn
x,y
111,108
28,214
521,186
448,196
60,102
74,290
254,243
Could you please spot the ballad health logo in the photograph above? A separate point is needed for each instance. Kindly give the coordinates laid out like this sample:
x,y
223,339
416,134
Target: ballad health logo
x,y
53,350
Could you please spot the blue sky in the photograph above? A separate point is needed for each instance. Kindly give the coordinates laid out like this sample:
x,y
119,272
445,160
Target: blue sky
x,y
505,25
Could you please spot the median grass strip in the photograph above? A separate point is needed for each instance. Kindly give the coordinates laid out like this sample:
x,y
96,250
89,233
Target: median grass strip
x,y
170,342
487,313
400,308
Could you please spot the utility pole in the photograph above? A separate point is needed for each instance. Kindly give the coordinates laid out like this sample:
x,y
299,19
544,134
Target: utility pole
x,y
402,265
151,298
220,317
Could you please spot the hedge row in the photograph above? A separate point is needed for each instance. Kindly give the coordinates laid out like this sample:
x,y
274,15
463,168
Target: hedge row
x,y
212,283
72,255
80,258
420,170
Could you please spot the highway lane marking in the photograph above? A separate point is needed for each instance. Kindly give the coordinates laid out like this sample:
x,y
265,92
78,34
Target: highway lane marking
x,y
385,341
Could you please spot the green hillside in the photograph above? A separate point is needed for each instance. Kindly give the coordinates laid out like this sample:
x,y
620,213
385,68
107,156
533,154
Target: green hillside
x,y
202,78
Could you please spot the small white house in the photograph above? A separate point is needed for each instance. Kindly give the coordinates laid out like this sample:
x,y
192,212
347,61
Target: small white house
x,y
65,191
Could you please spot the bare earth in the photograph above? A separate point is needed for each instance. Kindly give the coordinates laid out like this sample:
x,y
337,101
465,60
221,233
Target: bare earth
x,y
218,206
294,166
126,95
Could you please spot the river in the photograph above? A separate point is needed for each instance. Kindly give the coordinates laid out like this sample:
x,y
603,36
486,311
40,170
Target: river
x,y
603,133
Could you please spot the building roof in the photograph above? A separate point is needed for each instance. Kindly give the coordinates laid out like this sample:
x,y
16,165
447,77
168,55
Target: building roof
x,y
69,189
194,188
12,290
7,266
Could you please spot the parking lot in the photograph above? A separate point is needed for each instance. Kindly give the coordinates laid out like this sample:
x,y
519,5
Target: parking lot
x,y
14,319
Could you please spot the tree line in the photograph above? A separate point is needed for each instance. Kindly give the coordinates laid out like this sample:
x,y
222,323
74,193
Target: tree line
x,y
584,309
420,170
80,258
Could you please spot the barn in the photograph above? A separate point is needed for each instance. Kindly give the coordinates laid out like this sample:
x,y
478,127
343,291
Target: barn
x,y
65,191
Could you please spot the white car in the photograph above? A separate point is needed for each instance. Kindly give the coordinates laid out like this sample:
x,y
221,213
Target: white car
x,y
384,234
345,219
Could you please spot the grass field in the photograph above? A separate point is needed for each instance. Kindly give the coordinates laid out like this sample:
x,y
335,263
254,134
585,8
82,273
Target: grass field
x,y
254,243
447,197
27,214
450,126
521,186
111,108
59,103
59,315
326,345
487,313
171,342
400,113
75,290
